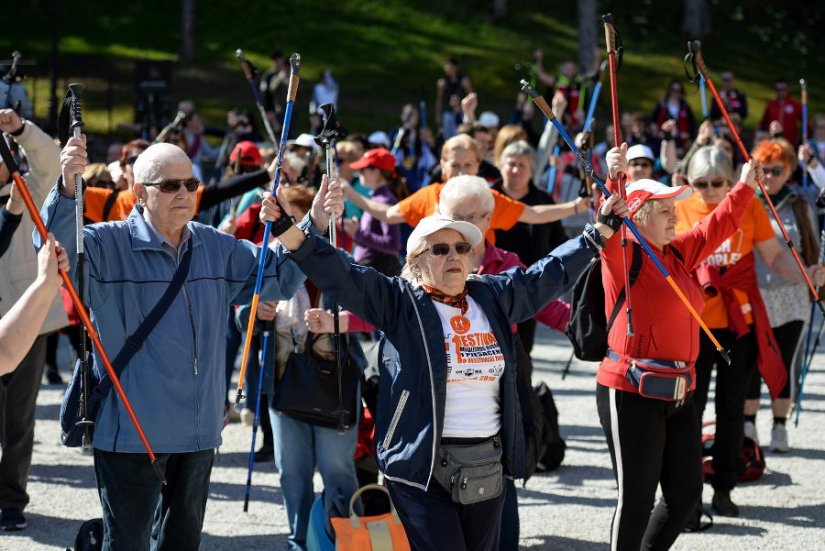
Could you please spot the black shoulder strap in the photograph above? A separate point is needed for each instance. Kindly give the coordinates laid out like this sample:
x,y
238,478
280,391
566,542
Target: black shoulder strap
x,y
635,269
676,253
135,341
107,206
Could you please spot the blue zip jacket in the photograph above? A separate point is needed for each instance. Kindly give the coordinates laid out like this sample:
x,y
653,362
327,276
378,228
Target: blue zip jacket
x,y
175,382
413,380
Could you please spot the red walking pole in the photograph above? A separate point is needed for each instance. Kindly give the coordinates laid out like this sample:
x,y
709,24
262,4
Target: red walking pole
x,y
614,49
695,58
78,304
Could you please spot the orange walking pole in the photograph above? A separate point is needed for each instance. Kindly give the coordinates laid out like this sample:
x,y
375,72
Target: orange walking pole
x,y
694,57
78,304
614,49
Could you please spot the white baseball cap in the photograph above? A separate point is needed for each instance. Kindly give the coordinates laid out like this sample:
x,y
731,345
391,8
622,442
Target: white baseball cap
x,y
306,140
488,119
431,224
640,151
379,137
641,190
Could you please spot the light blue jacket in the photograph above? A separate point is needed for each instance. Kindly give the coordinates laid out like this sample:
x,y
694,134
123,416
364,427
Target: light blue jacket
x,y
175,382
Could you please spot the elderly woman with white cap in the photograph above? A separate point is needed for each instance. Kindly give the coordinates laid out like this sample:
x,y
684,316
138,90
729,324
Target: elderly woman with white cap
x,y
449,425
645,384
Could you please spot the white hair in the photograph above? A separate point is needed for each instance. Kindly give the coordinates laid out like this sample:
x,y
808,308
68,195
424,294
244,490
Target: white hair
x,y
149,166
465,188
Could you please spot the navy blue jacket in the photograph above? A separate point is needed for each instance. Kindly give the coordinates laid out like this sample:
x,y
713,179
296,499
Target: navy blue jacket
x,y
413,382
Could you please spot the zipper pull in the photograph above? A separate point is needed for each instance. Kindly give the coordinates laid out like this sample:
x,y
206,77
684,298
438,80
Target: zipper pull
x,y
196,366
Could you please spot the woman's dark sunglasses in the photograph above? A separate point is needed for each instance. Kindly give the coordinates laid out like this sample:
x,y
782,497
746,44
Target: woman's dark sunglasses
x,y
440,249
776,171
716,184
172,186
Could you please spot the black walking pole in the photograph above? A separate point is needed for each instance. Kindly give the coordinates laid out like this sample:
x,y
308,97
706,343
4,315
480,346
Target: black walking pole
x,y
326,139
267,333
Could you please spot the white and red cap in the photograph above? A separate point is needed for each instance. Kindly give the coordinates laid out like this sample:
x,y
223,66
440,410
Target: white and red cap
x,y
431,224
641,190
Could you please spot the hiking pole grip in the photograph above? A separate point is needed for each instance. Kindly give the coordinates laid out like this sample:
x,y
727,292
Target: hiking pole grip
x,y
249,74
610,34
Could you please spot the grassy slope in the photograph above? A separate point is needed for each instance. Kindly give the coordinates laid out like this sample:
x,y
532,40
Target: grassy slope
x,y
388,52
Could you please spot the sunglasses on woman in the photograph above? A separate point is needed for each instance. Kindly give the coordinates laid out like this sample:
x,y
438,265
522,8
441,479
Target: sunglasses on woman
x,y
715,184
172,186
441,249
775,171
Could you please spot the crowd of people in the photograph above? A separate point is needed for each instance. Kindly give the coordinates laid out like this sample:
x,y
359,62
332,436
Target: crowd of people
x,y
453,241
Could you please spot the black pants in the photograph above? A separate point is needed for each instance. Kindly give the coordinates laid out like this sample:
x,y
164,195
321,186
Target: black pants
x,y
732,382
22,387
651,442
787,337
139,513
433,520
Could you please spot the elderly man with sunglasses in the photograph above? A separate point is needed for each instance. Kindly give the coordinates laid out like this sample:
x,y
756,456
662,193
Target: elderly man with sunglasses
x,y
175,382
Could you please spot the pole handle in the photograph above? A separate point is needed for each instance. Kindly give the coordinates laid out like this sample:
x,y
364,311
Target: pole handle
x,y
245,66
611,37
294,76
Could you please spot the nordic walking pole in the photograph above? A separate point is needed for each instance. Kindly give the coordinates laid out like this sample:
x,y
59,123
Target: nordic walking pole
x,y
703,96
551,179
249,73
71,120
809,352
804,86
542,104
261,368
614,50
14,170
294,79
326,139
694,56
594,99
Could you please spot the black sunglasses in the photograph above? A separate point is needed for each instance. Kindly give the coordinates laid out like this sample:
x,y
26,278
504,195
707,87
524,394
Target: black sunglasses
x,y
716,184
441,249
172,186
131,160
775,171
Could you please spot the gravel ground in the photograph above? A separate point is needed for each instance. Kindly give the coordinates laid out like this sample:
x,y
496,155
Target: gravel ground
x,y
568,509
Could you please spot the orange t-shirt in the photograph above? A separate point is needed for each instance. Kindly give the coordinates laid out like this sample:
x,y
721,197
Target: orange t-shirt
x,y
424,202
754,228
94,200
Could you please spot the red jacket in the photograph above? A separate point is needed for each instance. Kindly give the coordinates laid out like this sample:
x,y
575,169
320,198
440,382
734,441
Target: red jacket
x,y
664,329
789,115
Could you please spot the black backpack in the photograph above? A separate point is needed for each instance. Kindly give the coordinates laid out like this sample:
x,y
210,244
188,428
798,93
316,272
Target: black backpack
x,y
555,445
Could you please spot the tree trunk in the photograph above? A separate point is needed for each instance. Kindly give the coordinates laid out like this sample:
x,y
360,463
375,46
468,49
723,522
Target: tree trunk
x,y
187,33
588,18
696,19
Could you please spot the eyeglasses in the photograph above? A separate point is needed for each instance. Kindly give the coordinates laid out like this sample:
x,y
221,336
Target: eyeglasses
x,y
441,249
131,160
641,164
471,218
172,186
775,171
715,184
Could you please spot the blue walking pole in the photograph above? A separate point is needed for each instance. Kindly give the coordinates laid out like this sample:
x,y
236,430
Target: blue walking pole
x,y
597,89
810,351
541,103
261,369
294,79
551,180
704,97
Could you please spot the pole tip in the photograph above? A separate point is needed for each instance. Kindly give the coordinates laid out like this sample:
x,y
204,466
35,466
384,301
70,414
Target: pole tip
x,y
725,355
239,396
159,471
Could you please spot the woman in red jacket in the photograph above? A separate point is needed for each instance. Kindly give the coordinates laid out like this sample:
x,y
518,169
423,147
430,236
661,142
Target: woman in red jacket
x,y
645,384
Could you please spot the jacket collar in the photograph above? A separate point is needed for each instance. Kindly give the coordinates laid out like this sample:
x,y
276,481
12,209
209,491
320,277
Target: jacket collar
x,y
144,238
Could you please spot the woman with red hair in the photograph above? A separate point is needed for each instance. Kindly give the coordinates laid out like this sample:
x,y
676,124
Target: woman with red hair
x,y
787,302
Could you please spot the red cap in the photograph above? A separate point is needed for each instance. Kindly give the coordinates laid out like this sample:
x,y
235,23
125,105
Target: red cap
x,y
250,155
378,158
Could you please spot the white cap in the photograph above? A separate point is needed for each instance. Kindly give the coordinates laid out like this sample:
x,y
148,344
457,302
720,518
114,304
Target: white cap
x,y
431,224
640,151
306,140
641,190
114,170
488,119
379,137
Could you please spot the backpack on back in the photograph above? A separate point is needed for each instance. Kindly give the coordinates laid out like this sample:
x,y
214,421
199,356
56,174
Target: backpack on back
x,y
555,446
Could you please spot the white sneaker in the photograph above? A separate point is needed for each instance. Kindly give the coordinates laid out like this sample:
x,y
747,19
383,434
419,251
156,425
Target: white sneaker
x,y
247,417
779,439
750,431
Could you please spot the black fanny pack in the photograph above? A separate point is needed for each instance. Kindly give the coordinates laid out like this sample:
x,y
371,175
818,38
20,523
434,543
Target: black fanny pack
x,y
471,473
667,380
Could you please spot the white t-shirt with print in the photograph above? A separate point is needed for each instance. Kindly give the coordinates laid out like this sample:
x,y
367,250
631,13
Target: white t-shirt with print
x,y
475,364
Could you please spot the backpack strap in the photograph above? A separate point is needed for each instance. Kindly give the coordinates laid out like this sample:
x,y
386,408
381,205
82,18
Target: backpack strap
x,y
633,275
109,204
135,341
